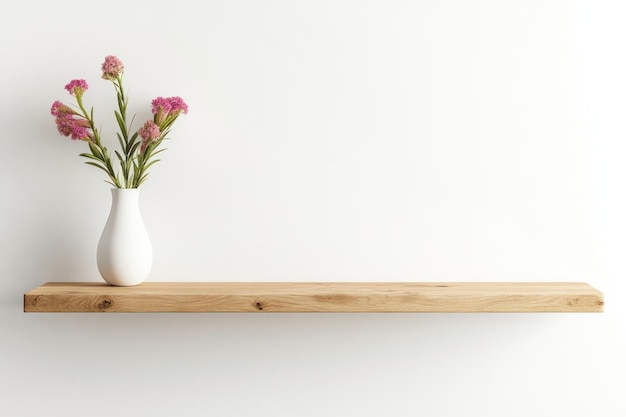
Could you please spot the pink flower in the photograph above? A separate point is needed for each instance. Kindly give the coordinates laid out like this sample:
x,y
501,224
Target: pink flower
x,y
78,129
149,132
80,132
112,67
64,125
161,104
59,109
177,105
77,87
168,108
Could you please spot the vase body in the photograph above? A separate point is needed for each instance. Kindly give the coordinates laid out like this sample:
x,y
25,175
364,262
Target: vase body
x,y
124,250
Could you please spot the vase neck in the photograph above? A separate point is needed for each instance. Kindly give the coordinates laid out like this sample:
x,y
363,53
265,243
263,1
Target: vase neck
x,y
125,197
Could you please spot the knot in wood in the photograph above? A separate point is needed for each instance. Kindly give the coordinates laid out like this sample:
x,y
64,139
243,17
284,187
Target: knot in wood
x,y
258,305
35,300
105,304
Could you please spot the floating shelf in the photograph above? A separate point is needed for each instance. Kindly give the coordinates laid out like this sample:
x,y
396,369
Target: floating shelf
x,y
376,297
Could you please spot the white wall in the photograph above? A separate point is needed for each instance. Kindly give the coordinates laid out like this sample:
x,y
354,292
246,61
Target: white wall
x,y
326,140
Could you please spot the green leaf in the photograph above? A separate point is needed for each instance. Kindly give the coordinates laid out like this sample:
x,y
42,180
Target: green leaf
x,y
122,124
142,179
90,156
98,166
120,119
133,138
121,142
133,148
94,150
149,164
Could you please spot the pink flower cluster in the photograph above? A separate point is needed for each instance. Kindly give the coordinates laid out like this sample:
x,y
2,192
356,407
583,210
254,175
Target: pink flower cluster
x,y
165,108
112,68
149,132
70,123
77,87
169,105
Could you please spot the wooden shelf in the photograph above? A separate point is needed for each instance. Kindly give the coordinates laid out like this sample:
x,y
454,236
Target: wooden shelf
x,y
316,297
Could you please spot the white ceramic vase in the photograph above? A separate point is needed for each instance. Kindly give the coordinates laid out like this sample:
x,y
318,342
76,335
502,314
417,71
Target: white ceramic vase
x,y
124,250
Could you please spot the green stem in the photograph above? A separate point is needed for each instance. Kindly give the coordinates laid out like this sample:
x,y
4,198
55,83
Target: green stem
x,y
103,155
127,142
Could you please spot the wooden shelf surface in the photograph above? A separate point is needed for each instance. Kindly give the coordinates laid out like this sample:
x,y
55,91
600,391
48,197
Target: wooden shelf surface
x,y
316,297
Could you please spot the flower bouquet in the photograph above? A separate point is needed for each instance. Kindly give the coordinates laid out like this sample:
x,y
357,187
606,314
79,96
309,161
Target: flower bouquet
x,y
135,155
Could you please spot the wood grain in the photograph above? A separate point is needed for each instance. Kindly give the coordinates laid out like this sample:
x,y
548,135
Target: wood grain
x,y
261,297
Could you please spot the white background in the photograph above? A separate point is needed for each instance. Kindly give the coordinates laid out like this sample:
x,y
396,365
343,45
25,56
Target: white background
x,y
343,140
